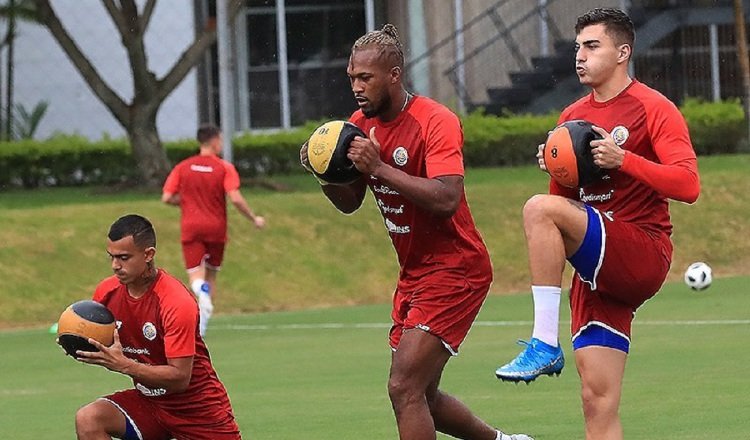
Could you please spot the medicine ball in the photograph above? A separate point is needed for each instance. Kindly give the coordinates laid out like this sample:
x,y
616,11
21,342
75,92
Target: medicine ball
x,y
327,148
567,154
83,320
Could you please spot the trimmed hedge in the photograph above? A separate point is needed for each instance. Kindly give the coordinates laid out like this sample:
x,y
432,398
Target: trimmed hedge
x,y
68,160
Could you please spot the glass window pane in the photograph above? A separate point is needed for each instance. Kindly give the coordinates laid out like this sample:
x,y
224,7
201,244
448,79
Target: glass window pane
x,y
319,39
265,101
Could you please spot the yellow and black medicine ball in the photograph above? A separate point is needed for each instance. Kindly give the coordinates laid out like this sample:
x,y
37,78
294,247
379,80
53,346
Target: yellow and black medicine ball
x,y
326,152
83,320
567,154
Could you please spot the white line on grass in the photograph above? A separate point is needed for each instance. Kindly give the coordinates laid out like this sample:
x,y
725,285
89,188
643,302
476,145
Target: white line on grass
x,y
381,325
378,325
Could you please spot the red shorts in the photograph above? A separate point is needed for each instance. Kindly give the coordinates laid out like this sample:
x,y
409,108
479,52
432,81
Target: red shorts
x,y
197,252
633,268
155,423
444,310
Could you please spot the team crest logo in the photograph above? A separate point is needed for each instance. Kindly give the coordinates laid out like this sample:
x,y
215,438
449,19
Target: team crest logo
x,y
149,331
620,134
400,156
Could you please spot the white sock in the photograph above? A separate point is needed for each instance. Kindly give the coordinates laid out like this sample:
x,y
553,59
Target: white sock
x,y
501,436
198,286
202,290
546,313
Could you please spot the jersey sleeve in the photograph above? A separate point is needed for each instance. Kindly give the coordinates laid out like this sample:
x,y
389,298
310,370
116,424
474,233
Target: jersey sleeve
x,y
104,288
675,176
445,139
231,177
172,184
179,313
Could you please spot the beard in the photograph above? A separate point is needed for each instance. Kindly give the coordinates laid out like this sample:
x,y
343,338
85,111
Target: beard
x,y
377,108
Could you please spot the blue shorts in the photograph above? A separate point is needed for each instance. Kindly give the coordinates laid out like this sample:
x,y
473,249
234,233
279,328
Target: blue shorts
x,y
588,259
619,266
597,335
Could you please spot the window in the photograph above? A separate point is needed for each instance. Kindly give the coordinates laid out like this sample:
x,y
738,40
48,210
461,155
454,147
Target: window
x,y
319,36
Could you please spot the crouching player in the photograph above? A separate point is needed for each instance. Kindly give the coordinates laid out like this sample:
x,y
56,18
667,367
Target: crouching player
x,y
177,393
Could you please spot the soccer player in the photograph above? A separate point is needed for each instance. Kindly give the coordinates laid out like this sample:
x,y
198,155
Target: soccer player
x,y
615,232
412,162
199,186
176,393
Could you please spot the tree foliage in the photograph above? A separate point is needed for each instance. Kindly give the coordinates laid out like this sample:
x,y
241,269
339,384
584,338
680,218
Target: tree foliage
x,y
137,113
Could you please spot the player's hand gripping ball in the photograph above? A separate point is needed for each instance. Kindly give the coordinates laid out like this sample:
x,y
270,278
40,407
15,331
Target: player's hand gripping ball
x,y
81,321
567,154
326,152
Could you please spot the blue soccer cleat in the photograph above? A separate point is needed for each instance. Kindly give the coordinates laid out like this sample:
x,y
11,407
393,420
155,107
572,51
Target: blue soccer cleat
x,y
538,358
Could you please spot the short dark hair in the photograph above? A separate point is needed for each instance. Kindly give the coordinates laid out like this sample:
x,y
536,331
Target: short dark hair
x,y
616,22
136,226
206,132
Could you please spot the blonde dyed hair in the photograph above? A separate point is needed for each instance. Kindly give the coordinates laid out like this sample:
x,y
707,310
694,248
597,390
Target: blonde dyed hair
x,y
386,39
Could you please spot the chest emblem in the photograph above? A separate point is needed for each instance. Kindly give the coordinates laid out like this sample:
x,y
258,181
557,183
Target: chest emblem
x,y
400,156
149,331
620,135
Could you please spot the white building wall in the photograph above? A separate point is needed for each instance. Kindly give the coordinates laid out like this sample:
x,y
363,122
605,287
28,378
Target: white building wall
x,y
44,73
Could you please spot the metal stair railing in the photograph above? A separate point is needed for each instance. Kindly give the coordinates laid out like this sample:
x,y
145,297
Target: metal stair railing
x,y
504,32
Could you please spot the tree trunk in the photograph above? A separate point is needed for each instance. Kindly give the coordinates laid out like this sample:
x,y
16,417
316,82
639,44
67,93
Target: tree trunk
x,y
9,72
138,117
153,165
742,54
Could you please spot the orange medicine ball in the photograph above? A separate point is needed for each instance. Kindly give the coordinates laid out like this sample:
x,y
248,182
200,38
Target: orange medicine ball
x,y
81,321
567,154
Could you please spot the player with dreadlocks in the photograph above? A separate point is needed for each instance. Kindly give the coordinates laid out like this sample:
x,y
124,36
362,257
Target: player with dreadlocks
x,y
412,161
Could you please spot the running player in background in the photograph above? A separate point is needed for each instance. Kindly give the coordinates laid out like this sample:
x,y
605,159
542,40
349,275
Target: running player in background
x,y
413,163
199,186
176,390
616,232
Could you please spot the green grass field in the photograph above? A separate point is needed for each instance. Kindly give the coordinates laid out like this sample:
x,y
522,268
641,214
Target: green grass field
x,y
315,365
52,241
321,374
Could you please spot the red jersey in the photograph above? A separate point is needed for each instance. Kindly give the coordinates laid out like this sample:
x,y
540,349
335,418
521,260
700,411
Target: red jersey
x,y
163,324
426,140
659,158
202,182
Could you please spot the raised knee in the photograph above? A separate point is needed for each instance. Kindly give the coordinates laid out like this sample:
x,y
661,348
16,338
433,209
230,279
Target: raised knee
x,y
537,207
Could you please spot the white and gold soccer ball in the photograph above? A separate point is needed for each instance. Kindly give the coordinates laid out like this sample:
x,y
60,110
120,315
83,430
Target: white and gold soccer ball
x,y
698,276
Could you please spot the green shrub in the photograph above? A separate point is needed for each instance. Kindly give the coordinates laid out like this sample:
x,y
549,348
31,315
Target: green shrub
x,y
68,160
715,127
503,141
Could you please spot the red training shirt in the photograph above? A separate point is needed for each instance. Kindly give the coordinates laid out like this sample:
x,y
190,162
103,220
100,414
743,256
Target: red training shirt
x,y
163,324
426,140
202,182
659,161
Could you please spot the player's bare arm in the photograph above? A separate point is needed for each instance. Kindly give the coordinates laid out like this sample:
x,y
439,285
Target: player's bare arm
x,y
346,198
240,203
440,195
174,377
170,198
